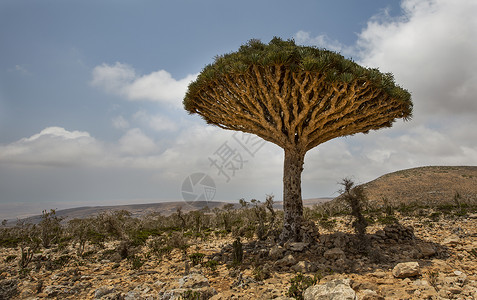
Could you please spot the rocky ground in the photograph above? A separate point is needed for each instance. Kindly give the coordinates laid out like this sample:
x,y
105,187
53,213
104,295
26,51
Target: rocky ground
x,y
415,259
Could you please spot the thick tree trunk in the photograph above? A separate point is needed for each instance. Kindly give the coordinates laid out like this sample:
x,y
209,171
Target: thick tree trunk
x,y
292,202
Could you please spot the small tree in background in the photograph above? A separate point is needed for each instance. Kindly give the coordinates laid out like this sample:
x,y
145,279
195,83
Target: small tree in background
x,y
355,198
296,97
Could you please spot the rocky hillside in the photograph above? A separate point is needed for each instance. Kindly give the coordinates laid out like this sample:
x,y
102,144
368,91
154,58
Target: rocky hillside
x,y
424,185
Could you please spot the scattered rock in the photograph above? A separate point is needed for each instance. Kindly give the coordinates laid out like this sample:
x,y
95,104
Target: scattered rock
x,y
199,293
302,267
338,289
193,281
59,290
452,241
104,290
407,269
276,252
297,247
399,232
368,295
334,254
426,250
8,288
287,261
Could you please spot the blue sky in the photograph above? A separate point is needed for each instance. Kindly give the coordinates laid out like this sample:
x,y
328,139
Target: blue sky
x,y
91,92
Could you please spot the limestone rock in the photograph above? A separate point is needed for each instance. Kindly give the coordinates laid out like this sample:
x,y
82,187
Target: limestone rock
x,y
369,295
338,289
104,290
452,241
298,247
302,267
407,269
287,261
334,254
199,293
193,281
426,250
59,290
276,252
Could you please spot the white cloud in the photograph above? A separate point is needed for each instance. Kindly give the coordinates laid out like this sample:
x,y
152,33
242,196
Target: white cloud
x,y
136,143
431,51
322,41
120,122
157,86
113,78
156,122
52,146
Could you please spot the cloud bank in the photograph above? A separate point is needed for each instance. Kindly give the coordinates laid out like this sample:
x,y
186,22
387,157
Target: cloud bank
x,y
159,86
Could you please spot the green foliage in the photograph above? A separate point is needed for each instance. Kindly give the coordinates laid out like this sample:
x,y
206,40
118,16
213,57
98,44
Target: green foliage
x,y
196,258
299,284
10,258
237,252
286,54
260,274
356,199
50,228
432,278
473,252
60,262
211,265
136,262
191,295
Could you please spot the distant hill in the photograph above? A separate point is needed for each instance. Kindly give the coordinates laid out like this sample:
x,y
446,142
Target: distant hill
x,y
136,210
139,210
433,184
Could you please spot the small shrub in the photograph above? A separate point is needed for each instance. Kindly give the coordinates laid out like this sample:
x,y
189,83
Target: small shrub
x,y
211,265
435,216
237,253
327,223
474,252
356,199
432,278
299,284
196,258
260,274
50,228
136,262
158,247
10,258
191,295
61,261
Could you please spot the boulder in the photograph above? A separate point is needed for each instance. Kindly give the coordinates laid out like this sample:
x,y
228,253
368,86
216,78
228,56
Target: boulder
x,y
338,289
193,281
369,295
452,241
426,250
103,290
334,254
302,267
287,261
407,269
298,247
276,252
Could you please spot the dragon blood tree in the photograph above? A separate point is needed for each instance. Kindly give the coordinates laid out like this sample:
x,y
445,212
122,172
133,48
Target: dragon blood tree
x,y
296,97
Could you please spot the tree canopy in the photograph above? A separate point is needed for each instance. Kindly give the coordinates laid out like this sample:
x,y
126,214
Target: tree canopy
x,y
295,96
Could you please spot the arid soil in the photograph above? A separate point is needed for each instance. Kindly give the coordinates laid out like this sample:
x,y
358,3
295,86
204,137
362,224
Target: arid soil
x,y
445,251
